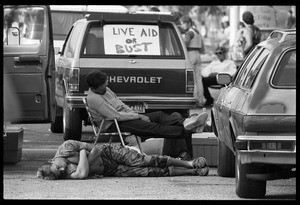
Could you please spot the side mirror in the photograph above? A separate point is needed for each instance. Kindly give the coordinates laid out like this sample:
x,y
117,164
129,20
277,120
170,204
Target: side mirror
x,y
223,78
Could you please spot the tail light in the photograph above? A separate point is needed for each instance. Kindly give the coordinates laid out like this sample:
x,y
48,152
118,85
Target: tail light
x,y
74,79
189,81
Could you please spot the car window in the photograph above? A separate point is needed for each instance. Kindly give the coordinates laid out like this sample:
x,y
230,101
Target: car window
x,y
73,40
248,82
131,39
23,25
246,66
285,74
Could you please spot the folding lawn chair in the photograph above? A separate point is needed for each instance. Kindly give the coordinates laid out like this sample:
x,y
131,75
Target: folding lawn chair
x,y
97,129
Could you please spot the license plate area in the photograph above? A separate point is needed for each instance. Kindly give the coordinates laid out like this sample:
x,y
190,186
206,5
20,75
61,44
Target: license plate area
x,y
137,107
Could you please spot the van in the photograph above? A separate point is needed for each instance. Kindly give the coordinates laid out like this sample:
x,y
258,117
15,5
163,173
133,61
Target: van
x,y
28,64
32,38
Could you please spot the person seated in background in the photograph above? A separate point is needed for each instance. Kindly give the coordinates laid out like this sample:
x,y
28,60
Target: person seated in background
x,y
80,160
221,65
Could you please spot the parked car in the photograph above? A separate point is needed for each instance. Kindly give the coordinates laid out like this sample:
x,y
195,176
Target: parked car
x,y
254,117
142,53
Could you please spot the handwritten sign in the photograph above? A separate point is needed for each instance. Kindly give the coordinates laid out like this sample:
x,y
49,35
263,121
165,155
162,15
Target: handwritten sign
x,y
131,40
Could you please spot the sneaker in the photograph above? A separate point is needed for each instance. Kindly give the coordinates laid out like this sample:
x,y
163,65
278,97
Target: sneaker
x,y
202,172
200,162
195,121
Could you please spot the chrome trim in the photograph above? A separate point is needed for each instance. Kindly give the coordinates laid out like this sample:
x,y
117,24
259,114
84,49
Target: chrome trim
x,y
151,102
266,138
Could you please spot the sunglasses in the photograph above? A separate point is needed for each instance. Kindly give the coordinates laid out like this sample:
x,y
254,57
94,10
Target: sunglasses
x,y
218,53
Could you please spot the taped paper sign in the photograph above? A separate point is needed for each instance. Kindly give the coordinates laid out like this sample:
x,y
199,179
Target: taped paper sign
x,y
131,40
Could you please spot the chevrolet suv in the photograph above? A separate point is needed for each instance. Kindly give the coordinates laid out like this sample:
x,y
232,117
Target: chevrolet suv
x,y
142,53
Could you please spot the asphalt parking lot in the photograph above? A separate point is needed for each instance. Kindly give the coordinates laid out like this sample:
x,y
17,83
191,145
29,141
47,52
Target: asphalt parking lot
x,y
39,145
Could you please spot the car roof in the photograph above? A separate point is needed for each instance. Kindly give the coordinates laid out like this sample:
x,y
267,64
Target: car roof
x,y
131,17
90,8
286,39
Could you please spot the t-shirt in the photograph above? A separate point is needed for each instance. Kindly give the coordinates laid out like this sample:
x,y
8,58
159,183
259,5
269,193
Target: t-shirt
x,y
108,106
216,66
72,148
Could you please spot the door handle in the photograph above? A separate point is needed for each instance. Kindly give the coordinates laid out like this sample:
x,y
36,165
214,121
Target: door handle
x,y
28,58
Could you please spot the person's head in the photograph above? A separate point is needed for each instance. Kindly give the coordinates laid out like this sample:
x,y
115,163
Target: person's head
x,y
221,53
290,12
248,17
97,81
177,16
52,170
185,22
241,25
154,9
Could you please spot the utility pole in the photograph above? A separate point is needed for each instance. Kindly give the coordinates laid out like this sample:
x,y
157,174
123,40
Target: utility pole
x,y
234,20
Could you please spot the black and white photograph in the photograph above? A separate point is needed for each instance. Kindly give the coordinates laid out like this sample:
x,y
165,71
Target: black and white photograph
x,y
149,102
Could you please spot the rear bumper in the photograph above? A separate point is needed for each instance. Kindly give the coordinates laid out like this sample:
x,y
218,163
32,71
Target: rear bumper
x,y
274,158
149,102
266,156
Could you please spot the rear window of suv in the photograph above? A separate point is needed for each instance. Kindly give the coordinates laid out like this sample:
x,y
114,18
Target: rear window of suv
x,y
145,40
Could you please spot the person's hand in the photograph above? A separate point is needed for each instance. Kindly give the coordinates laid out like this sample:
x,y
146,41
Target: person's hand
x,y
145,118
71,168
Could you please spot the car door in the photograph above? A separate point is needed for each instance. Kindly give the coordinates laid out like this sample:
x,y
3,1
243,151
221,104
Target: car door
x,y
236,96
28,57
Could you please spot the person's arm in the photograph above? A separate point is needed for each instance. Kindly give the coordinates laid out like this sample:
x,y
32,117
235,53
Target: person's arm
x,y
110,112
249,42
188,37
94,154
82,170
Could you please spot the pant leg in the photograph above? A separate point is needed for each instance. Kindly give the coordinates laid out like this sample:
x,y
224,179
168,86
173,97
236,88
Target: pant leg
x,y
125,156
128,171
208,81
150,129
165,119
173,148
196,62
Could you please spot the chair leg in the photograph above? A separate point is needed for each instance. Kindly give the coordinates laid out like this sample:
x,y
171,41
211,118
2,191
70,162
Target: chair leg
x,y
120,134
98,132
139,144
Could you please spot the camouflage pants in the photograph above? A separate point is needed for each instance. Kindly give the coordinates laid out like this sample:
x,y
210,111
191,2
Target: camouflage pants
x,y
122,161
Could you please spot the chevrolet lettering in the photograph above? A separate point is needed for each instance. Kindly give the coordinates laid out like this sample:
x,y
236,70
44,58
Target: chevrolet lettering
x,y
134,79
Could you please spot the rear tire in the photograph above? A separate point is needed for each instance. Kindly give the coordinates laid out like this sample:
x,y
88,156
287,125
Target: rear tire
x,y
72,124
226,163
246,188
57,125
